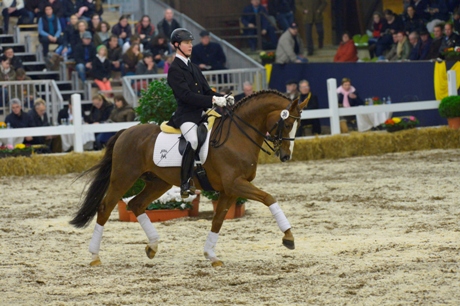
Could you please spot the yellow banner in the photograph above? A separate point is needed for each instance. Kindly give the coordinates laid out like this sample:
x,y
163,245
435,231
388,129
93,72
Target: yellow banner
x,y
440,79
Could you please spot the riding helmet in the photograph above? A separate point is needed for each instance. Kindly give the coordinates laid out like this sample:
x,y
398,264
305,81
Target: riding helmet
x,y
181,34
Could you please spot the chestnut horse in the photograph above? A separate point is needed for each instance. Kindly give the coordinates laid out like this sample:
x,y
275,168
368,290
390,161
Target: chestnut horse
x,y
236,140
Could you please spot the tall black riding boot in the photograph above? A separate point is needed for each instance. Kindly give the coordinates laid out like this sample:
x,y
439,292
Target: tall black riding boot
x,y
186,172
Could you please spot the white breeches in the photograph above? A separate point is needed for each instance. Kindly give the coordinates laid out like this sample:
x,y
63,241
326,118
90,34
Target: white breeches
x,y
189,130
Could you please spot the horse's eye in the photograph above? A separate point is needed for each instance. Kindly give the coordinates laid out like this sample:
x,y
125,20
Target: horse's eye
x,y
288,126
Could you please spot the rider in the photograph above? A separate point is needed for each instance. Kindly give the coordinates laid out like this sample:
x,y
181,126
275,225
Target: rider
x,y
194,97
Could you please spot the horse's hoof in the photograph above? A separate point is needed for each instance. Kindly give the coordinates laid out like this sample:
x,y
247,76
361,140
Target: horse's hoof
x,y
289,244
217,263
96,262
150,252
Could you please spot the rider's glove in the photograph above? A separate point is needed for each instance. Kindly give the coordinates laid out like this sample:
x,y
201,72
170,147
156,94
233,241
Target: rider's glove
x,y
219,101
230,100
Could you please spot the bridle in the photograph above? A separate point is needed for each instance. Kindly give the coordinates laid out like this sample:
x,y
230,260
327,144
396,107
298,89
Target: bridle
x,y
276,139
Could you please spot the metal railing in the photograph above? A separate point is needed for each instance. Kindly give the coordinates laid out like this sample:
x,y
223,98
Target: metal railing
x,y
219,79
28,92
235,58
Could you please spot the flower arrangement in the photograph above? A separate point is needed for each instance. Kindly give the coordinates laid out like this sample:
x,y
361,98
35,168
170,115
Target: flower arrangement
x,y
374,101
170,200
400,123
451,53
449,107
214,196
17,150
2,125
267,57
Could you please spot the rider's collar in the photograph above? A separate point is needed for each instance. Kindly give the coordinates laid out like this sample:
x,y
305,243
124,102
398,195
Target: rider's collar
x,y
182,58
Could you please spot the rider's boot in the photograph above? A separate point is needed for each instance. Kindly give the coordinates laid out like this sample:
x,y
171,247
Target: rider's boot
x,y
186,182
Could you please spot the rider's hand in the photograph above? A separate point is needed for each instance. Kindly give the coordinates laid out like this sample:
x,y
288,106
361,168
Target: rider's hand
x,y
230,100
219,101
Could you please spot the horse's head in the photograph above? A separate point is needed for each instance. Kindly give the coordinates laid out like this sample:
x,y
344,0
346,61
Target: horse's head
x,y
282,125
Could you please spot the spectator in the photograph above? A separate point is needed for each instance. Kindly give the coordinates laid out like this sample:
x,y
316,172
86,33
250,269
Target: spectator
x,y
134,39
84,56
102,34
168,24
17,118
159,47
38,118
415,43
86,9
425,45
305,94
145,29
114,53
7,72
437,13
374,35
247,91
412,22
283,10
55,4
49,29
403,48
23,92
249,21
290,48
391,55
450,40
436,43
393,25
122,29
66,114
101,70
146,65
15,62
94,23
208,55
100,110
13,8
69,8
456,21
291,90
131,58
348,97
347,51
169,59
70,38
313,15
421,7
33,9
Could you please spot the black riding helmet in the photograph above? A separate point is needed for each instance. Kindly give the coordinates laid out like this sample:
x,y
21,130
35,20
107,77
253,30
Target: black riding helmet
x,y
180,34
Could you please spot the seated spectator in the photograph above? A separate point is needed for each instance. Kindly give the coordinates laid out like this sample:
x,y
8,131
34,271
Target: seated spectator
x,y
290,48
65,114
305,94
23,92
159,47
13,8
38,118
415,43
86,9
375,33
145,30
403,48
421,8
49,30
69,8
94,23
456,21
84,56
134,39
57,9
436,42
347,51
168,24
7,72
15,62
450,40
101,70
70,38
114,53
122,30
169,59
33,9
348,97
131,58
100,110
146,65
412,22
249,21
102,34
247,91
425,45
17,118
391,55
291,90
437,12
208,55
283,10
77,36
393,25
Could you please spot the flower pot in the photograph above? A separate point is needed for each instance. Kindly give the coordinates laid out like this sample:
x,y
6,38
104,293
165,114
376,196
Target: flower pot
x,y
154,215
196,205
454,123
266,61
235,211
123,213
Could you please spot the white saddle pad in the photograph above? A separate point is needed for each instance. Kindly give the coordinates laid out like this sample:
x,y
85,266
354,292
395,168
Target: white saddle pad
x,y
166,151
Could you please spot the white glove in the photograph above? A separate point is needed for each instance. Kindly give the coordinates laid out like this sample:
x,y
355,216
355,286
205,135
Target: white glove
x,y
230,100
219,101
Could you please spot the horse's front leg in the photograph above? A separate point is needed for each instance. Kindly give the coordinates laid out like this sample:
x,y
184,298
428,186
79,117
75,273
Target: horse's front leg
x,y
223,205
245,189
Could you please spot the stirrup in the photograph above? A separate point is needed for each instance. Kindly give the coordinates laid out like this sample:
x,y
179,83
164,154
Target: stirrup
x,y
187,189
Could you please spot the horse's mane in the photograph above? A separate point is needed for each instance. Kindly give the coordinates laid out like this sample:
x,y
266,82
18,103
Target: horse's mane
x,y
256,94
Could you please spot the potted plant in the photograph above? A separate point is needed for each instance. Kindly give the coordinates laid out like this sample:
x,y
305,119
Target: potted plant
x,y
450,108
15,151
400,123
237,210
267,57
157,103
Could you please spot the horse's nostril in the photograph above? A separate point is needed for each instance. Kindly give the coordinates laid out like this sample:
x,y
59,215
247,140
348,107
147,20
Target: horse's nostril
x,y
285,158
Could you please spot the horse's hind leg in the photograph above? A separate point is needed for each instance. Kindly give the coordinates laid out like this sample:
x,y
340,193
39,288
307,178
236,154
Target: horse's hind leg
x,y
154,188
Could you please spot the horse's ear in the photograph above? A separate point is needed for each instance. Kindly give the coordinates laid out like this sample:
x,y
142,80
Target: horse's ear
x,y
303,104
294,104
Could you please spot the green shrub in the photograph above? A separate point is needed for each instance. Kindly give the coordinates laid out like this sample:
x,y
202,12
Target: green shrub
x,y
214,196
157,103
450,107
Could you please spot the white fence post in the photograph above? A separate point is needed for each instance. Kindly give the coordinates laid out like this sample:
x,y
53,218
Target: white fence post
x,y
452,82
77,123
333,106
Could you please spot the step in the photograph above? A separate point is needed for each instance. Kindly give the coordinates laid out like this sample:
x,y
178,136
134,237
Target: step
x,y
26,57
34,66
64,85
44,75
6,39
16,47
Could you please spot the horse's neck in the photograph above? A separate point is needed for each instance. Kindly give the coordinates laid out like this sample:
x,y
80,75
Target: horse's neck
x,y
256,113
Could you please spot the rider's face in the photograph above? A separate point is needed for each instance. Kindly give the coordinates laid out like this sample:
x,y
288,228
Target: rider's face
x,y
186,47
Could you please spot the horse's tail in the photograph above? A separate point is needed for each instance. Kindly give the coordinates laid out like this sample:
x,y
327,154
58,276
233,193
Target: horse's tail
x,y
98,186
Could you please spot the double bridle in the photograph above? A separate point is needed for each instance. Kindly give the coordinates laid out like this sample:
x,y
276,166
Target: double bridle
x,y
276,140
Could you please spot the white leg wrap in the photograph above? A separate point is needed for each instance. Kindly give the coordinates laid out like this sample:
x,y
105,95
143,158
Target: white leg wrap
x,y
209,245
148,228
95,243
280,218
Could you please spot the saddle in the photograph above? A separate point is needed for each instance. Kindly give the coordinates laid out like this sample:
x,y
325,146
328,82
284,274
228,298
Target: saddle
x,y
212,115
